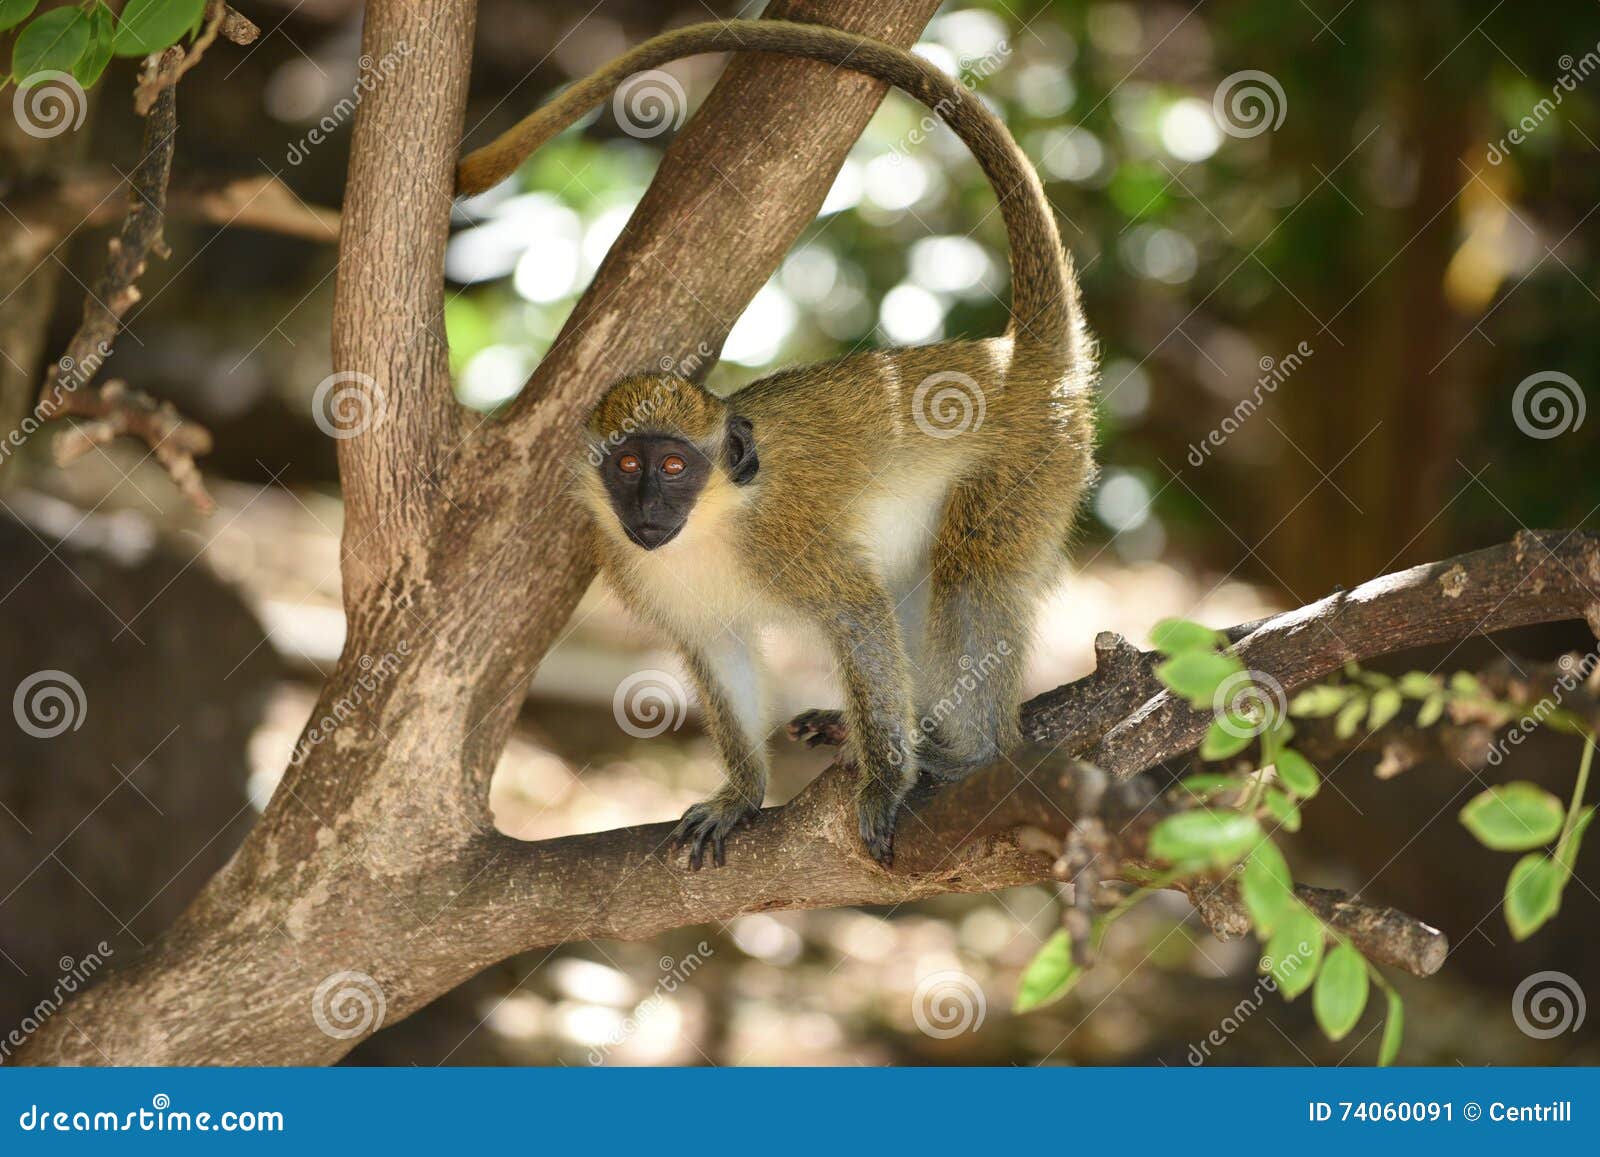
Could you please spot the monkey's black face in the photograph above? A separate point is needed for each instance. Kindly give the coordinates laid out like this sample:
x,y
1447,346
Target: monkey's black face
x,y
654,481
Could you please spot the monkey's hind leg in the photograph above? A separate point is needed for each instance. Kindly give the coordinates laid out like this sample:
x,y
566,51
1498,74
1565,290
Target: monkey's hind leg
x,y
727,681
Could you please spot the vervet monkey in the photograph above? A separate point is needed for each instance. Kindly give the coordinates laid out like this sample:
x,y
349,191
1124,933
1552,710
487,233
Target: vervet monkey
x,y
839,496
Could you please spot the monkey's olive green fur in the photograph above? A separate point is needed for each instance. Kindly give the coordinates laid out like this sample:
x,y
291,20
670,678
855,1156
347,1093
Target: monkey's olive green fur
x,y
911,505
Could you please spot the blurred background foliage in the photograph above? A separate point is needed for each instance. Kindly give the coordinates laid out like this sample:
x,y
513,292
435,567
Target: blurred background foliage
x,y
1381,253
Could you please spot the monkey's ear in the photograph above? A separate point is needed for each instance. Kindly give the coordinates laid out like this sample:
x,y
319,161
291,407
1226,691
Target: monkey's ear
x,y
739,450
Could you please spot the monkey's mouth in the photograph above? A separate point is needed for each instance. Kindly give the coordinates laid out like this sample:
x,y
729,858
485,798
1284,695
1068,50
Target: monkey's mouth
x,y
651,536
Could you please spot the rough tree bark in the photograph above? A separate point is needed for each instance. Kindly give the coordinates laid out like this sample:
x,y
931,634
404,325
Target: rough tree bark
x,y
376,854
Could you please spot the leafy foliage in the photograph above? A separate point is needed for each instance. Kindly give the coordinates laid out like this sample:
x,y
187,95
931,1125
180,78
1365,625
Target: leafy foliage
x,y
81,40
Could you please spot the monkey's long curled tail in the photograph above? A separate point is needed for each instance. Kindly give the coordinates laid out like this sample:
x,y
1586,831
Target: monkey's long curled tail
x,y
1044,303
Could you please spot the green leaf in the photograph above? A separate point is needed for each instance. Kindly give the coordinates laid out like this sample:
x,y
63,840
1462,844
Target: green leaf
x,y
1196,675
1465,683
1295,950
1206,786
1513,817
51,43
1350,717
1417,685
14,12
151,25
1320,701
1385,706
1283,809
102,32
1394,1029
1176,636
1432,708
1204,837
1341,993
1226,736
1297,773
1266,886
1533,894
1049,976
1567,852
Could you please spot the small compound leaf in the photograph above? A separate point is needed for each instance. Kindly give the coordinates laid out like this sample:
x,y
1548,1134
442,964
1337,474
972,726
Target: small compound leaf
x,y
1465,683
1432,707
1417,685
1350,717
102,32
1228,735
1297,773
1283,809
1341,993
1196,675
151,25
1050,975
1320,701
51,43
14,12
1533,894
1266,887
1394,1030
1513,817
1385,706
1204,838
1204,786
1295,950
1175,636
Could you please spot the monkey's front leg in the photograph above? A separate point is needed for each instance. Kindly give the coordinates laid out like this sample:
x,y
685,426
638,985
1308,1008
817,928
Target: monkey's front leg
x,y
727,682
878,713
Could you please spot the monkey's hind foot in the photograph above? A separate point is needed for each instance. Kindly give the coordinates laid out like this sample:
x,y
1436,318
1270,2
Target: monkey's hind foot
x,y
709,823
876,817
817,728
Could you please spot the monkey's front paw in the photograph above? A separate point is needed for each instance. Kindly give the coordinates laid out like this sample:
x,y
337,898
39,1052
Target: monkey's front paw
x,y
818,727
709,823
876,819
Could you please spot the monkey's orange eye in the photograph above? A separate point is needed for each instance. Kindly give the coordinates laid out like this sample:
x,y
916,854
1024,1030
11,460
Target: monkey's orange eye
x,y
673,465
628,464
